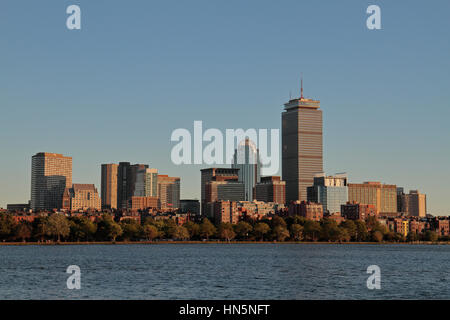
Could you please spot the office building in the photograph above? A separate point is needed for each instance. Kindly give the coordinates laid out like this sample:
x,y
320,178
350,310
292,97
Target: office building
x,y
382,196
190,206
302,156
330,191
168,192
146,183
51,174
246,159
109,186
358,211
413,204
126,182
271,189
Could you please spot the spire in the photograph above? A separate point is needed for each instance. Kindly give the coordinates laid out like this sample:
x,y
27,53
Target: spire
x,y
301,86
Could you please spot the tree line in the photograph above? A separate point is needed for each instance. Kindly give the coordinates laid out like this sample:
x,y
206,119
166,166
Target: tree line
x,y
58,227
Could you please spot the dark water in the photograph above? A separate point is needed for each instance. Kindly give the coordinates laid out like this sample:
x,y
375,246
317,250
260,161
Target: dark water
x,y
225,271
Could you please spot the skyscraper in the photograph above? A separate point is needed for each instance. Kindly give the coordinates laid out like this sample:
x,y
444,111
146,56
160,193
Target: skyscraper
x,y
271,189
126,182
302,156
51,174
146,183
109,186
246,159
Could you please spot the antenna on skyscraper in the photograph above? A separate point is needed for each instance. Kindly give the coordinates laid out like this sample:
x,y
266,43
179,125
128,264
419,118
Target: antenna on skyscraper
x,y
301,86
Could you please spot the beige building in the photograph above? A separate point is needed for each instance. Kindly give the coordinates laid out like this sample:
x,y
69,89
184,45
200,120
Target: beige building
x,y
82,197
382,196
168,192
302,156
51,174
413,204
109,186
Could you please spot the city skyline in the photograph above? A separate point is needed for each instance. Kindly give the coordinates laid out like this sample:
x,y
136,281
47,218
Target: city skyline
x,y
384,109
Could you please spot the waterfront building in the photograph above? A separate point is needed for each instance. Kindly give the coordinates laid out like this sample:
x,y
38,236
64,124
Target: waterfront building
x,y
143,202
81,197
382,196
413,204
246,159
109,186
215,174
302,154
225,212
271,189
168,192
306,209
51,174
358,211
330,191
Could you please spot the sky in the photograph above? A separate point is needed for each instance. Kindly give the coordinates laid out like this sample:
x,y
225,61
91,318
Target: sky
x,y
137,70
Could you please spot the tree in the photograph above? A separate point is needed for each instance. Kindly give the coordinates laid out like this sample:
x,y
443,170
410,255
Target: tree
x,y
7,226
261,229
280,233
344,235
278,221
350,227
243,229
193,229
131,229
150,232
296,232
361,231
431,236
377,236
82,227
40,228
23,231
226,231
412,236
330,231
207,229
108,229
180,233
312,230
58,226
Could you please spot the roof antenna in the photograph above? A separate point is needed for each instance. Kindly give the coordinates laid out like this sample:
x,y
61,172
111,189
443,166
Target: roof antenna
x,y
290,95
301,86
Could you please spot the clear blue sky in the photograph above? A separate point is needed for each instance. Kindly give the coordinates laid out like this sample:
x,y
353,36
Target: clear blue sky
x,y
114,90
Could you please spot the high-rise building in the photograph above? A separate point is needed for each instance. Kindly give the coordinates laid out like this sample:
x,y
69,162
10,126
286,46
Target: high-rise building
x,y
51,174
215,174
126,182
330,191
246,159
382,196
81,197
413,204
271,189
168,192
146,183
109,186
301,146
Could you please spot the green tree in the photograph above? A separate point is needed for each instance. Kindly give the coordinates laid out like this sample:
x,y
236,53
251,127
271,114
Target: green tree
x,y
350,226
330,231
296,232
40,228
412,236
23,231
243,229
261,229
58,226
207,229
361,231
226,231
7,226
278,221
312,230
108,229
280,233
81,227
131,229
150,232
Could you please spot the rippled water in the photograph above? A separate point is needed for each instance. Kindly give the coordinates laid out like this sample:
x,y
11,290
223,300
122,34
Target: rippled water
x,y
225,271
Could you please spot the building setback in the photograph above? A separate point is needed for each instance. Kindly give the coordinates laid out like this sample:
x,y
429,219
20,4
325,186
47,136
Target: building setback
x,y
51,174
302,155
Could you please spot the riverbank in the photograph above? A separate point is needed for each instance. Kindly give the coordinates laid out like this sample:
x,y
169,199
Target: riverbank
x,y
53,243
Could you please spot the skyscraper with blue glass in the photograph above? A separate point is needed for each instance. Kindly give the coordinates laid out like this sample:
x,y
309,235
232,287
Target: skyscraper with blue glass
x,y
246,159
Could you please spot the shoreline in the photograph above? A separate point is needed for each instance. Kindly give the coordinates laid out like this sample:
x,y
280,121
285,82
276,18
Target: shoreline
x,y
71,243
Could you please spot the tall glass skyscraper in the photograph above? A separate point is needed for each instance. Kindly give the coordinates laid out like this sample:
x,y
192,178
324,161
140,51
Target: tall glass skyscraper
x,y
246,159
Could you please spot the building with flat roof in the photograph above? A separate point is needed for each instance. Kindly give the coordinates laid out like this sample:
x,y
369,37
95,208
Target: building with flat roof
x,y
382,196
330,191
271,189
413,204
109,186
81,197
51,174
168,192
246,159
